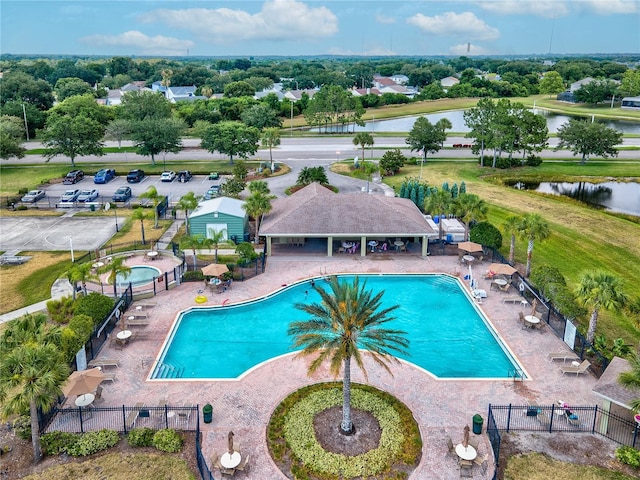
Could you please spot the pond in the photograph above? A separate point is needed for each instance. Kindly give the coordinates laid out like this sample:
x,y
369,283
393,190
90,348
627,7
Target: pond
x,y
621,197
405,124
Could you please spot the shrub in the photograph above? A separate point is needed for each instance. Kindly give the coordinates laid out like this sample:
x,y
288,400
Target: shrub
x,y
486,234
628,455
141,437
61,310
22,427
192,276
55,443
94,305
83,326
167,440
505,162
92,442
545,275
533,161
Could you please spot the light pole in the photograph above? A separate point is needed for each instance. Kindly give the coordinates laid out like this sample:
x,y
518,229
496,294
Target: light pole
x,y
291,131
73,260
421,164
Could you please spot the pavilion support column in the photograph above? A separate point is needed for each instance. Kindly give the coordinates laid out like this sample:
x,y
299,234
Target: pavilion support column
x,y
604,419
268,245
330,246
363,246
425,246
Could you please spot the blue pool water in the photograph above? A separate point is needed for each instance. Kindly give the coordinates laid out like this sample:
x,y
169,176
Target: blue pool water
x,y
140,275
448,336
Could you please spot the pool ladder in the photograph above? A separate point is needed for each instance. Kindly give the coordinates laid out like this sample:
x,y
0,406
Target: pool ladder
x,y
165,370
516,374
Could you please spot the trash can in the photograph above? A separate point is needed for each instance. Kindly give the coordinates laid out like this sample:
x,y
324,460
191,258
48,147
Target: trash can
x,y
207,413
92,207
477,424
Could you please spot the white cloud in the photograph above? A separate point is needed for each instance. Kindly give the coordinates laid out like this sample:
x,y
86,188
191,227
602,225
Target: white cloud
x,y
612,7
384,19
539,8
462,48
464,25
141,43
278,20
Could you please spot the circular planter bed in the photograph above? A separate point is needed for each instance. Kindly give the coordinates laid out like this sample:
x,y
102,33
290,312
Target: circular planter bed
x,y
305,441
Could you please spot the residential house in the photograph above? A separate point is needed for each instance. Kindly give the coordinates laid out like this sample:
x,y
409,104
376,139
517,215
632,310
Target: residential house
x,y
447,82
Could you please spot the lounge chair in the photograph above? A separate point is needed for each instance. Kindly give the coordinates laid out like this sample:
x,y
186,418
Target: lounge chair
x,y
134,414
104,362
582,368
109,377
572,418
215,461
513,299
522,320
564,356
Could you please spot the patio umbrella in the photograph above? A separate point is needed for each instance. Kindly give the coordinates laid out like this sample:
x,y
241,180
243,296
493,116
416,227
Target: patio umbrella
x,y
230,440
502,269
83,381
214,269
470,247
465,437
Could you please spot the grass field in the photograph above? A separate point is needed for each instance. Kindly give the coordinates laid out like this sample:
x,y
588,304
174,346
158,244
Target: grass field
x,y
536,466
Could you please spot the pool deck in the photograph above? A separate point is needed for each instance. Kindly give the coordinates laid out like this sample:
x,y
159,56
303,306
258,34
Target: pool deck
x,y
441,407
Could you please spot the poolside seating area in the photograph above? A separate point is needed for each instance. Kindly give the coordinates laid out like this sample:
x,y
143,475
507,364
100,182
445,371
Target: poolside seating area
x,y
577,369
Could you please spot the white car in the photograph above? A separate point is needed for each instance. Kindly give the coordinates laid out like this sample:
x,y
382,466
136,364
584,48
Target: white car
x,y
88,195
168,176
70,195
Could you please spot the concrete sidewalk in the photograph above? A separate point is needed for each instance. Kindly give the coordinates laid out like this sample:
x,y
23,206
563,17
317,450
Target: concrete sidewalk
x,y
60,288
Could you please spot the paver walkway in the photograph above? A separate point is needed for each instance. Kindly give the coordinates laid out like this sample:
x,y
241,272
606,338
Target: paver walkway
x,y
441,407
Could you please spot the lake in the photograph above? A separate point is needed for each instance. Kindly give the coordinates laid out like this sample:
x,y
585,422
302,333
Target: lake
x,y
405,124
621,197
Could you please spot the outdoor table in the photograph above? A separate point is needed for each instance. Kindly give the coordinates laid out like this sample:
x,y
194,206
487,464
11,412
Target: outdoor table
x,y
531,320
152,255
373,244
398,244
139,308
85,400
468,258
466,453
230,460
124,335
98,265
499,281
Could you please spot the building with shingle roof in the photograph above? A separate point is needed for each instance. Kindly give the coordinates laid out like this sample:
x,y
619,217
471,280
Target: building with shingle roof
x,y
616,397
317,212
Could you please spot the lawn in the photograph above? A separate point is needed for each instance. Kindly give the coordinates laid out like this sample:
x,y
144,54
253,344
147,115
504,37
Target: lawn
x,y
536,466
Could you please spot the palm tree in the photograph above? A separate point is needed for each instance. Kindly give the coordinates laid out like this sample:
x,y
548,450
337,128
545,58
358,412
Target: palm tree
x,y
188,202
216,237
32,371
256,205
533,227
115,268
511,226
631,379
438,203
364,139
469,208
153,195
600,290
140,214
194,243
271,138
347,320
81,273
259,186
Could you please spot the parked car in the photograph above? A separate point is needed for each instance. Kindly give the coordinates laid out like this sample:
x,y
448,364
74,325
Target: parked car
x,y
122,194
33,196
213,192
213,176
104,176
168,176
70,195
135,176
184,176
88,195
73,177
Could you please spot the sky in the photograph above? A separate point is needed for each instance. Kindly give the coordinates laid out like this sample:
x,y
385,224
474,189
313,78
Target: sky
x,y
314,27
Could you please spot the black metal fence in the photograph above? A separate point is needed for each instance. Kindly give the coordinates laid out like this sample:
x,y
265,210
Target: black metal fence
x,y
203,468
494,439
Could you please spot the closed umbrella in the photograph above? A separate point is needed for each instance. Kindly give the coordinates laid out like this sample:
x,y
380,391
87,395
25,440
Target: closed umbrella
x,y
465,437
83,381
214,269
534,305
230,440
470,247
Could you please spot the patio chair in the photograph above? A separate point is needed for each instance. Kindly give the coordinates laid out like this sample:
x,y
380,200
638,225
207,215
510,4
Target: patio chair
x,y
541,326
544,419
573,419
452,448
482,462
582,368
523,322
215,461
243,465
134,414
474,442
466,471
504,288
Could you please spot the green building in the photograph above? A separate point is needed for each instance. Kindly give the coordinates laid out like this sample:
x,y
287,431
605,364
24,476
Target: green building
x,y
220,214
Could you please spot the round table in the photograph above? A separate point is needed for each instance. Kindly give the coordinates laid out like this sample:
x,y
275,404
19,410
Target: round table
x,y
398,244
98,265
124,334
499,281
468,258
85,400
139,308
152,255
575,364
531,319
468,453
230,461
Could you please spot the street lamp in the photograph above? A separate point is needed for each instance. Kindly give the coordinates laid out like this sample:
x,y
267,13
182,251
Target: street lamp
x,y
73,260
291,131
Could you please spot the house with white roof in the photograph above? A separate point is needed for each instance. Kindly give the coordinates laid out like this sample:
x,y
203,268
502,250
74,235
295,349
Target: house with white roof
x,y
220,214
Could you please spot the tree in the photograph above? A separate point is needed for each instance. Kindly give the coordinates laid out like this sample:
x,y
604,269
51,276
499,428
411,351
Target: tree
x,y
12,135
239,89
588,138
193,243
141,215
114,268
261,116
82,106
81,272
392,161
600,290
364,139
486,234
479,119
427,137
551,83
231,138
595,91
156,135
333,106
153,195
532,132
118,130
23,88
141,105
271,138
71,86
347,321
216,237
309,175
72,137
32,370
511,226
533,227
438,203
188,202
468,207
258,203
631,379
630,85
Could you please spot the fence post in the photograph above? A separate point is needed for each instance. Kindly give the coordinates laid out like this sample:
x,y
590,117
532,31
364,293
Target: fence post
x,y
553,411
81,421
508,418
124,419
166,280
595,415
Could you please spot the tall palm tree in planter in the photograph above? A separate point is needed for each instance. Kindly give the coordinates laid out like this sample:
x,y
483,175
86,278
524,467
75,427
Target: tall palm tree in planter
x,y
511,227
363,139
32,371
216,237
115,268
532,228
153,195
469,208
188,202
270,138
141,215
348,320
599,290
258,203
82,273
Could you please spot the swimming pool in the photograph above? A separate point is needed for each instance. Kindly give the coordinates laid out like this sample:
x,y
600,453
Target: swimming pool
x,y
140,275
448,336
